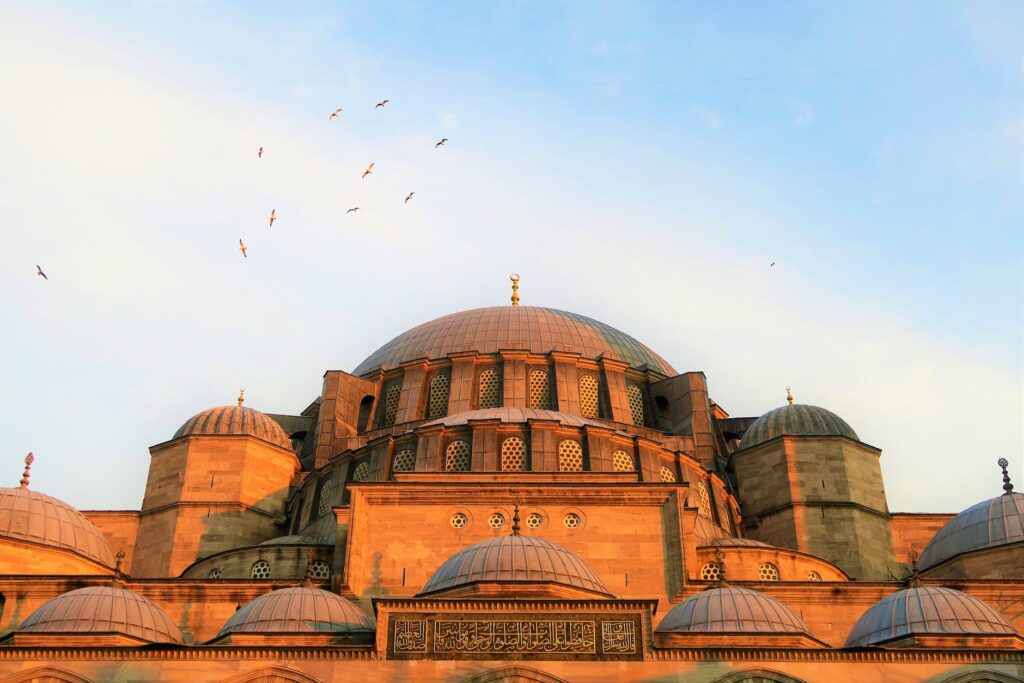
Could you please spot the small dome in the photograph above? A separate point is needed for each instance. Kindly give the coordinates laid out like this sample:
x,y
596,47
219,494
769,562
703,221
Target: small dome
x,y
988,524
517,558
733,541
235,421
299,610
298,539
796,420
514,415
731,610
104,609
928,610
27,515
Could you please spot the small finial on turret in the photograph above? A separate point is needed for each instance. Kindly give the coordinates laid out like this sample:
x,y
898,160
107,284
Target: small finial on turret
x,y
720,559
514,277
118,580
310,554
29,459
241,397
515,520
914,580
1002,462
789,396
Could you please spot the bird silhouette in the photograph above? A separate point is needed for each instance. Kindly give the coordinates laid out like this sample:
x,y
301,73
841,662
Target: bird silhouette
x,y
408,197
241,248
353,209
441,143
259,154
369,170
334,114
382,103
772,264
273,217
39,271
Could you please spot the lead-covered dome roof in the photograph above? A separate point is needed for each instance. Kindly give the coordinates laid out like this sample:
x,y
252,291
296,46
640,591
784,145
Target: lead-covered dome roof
x,y
994,522
515,558
489,330
235,421
731,610
796,420
104,609
303,609
27,515
926,610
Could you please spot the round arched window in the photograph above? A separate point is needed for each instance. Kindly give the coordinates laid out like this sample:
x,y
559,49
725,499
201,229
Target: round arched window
x,y
459,521
570,456
712,571
456,456
622,461
321,570
768,572
813,576
496,521
667,475
534,520
572,521
405,460
260,570
215,573
513,454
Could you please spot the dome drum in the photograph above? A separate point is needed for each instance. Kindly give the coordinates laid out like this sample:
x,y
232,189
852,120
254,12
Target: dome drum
x,y
984,541
285,559
745,560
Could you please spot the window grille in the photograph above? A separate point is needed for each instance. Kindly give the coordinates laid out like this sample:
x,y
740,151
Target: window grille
x,y
459,520
636,404
570,456
496,521
215,573
588,396
534,520
712,571
456,457
572,521
391,396
321,570
405,460
768,572
260,570
488,388
326,493
704,500
513,454
813,576
437,406
540,390
622,461
361,472
667,475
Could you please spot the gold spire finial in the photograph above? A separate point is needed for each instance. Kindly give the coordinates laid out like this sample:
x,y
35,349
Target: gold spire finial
x,y
514,277
789,396
118,579
515,520
1003,463
29,459
241,397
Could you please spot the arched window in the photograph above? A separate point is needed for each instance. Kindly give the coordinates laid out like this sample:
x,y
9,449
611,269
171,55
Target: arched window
x,y
215,573
361,472
321,570
712,571
488,389
456,457
813,576
260,570
667,475
405,460
437,405
570,456
703,500
326,498
391,396
588,396
540,390
768,572
513,455
622,462
636,404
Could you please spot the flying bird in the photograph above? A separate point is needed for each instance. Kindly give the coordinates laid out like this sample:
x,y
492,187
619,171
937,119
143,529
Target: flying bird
x,y
382,103
273,217
259,154
408,197
241,248
353,209
39,271
369,170
441,143
334,114
772,264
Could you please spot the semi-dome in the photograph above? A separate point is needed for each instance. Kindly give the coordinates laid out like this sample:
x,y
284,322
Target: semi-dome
x,y
103,610
513,415
994,522
235,421
731,610
796,420
515,558
299,610
489,330
926,611
27,515
735,542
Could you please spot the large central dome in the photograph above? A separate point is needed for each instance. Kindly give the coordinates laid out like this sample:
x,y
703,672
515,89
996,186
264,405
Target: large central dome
x,y
489,330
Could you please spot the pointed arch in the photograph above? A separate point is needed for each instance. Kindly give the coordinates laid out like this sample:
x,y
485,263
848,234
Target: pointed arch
x,y
983,676
758,675
513,674
272,674
47,674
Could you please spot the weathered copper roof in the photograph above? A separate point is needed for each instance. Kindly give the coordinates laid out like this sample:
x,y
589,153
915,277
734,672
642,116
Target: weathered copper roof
x,y
515,415
299,610
930,610
988,524
104,609
732,541
488,330
796,420
235,421
731,610
28,515
517,558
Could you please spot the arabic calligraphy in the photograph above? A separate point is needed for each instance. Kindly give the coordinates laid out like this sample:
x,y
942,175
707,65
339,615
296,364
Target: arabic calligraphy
x,y
540,637
410,636
618,637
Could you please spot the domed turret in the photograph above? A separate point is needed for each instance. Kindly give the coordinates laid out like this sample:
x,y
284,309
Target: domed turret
x,y
102,612
796,420
235,421
299,610
906,615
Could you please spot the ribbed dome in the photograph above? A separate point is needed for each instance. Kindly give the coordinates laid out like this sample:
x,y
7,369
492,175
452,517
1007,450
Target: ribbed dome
x,y
27,515
488,330
988,524
796,420
733,541
514,415
299,610
522,559
927,610
104,609
235,421
731,610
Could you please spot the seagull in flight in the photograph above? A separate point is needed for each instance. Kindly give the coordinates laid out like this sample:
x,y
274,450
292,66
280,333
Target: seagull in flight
x,y
259,154
241,248
334,114
772,264
382,103
273,217
39,271
369,170
353,209
408,197
441,143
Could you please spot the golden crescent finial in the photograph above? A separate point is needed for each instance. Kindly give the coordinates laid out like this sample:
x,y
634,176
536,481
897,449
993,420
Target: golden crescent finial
x,y
514,277
241,397
29,459
789,396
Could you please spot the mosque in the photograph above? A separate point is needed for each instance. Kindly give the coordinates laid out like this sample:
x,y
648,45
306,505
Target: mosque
x,y
507,495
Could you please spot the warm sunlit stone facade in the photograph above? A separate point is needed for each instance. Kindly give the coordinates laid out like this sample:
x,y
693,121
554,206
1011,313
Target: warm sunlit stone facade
x,y
511,494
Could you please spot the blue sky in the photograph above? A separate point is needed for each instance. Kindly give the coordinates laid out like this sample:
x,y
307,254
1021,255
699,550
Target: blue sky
x,y
640,163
